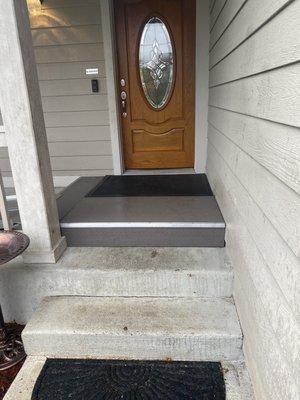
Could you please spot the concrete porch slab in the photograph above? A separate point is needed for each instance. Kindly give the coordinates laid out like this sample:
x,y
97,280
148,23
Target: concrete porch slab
x,y
171,272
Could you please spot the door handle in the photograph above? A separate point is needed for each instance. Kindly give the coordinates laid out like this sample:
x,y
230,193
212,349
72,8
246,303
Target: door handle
x,y
123,103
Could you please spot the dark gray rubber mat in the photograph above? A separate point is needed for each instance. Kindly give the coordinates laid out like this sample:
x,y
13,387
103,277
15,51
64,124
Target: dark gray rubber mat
x,y
129,380
153,185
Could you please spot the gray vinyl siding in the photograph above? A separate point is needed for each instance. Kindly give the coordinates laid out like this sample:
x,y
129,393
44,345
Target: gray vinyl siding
x,y
254,168
67,37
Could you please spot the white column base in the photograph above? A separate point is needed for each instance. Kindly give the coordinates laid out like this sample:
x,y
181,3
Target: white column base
x,y
46,257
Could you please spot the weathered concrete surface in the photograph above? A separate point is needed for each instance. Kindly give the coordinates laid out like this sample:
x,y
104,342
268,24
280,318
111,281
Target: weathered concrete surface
x,y
23,385
238,385
25,133
177,272
135,328
237,381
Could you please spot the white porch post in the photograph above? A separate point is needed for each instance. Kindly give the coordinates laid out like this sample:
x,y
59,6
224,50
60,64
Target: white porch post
x,y
24,124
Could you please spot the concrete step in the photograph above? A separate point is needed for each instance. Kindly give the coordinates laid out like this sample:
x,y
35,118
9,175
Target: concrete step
x,y
135,328
190,221
236,376
167,272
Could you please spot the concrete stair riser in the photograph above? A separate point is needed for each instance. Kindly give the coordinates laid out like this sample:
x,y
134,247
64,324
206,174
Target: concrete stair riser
x,y
178,272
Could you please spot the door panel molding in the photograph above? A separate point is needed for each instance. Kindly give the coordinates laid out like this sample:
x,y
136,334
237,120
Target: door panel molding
x,y
144,141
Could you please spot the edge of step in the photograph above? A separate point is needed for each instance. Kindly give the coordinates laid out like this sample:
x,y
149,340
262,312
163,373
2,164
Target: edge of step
x,y
178,272
184,329
236,376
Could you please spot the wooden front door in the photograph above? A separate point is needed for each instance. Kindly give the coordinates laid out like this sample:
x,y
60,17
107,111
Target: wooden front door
x,y
156,64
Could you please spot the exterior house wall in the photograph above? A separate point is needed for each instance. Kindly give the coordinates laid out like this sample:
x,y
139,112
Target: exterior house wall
x,y
81,131
67,38
254,168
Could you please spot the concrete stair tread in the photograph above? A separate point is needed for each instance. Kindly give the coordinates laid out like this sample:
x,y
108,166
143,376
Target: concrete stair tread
x,y
127,271
136,328
192,259
143,259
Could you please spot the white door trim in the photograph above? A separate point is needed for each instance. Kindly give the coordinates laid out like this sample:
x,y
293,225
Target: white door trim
x,y
110,55
201,82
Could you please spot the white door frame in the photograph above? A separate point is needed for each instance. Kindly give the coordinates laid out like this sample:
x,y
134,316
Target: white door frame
x,y
201,82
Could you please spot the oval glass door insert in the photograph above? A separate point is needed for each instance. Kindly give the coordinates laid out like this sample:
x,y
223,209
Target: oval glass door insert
x,y
156,62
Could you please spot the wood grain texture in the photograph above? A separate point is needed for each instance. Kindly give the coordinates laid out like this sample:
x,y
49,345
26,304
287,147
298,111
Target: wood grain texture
x,y
256,376
275,146
253,167
250,265
211,5
281,333
172,140
251,17
259,53
219,4
229,12
272,366
274,96
179,111
280,259
284,213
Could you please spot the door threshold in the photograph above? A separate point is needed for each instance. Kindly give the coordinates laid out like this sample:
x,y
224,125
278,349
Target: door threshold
x,y
172,171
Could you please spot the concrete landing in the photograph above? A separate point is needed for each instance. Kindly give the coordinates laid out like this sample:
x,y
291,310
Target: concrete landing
x,y
169,221
145,221
237,381
135,328
128,271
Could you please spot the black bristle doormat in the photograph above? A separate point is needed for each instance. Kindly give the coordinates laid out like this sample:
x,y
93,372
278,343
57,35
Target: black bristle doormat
x,y
129,380
153,185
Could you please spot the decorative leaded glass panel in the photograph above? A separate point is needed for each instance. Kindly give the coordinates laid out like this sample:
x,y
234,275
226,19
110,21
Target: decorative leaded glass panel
x,y
156,62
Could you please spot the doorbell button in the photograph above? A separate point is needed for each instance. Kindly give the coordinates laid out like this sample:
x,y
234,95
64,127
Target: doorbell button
x,y
95,86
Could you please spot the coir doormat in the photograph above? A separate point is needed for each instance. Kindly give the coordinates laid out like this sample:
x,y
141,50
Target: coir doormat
x,y
129,380
153,185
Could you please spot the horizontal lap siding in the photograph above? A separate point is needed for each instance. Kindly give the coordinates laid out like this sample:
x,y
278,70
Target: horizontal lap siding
x,y
254,167
68,38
